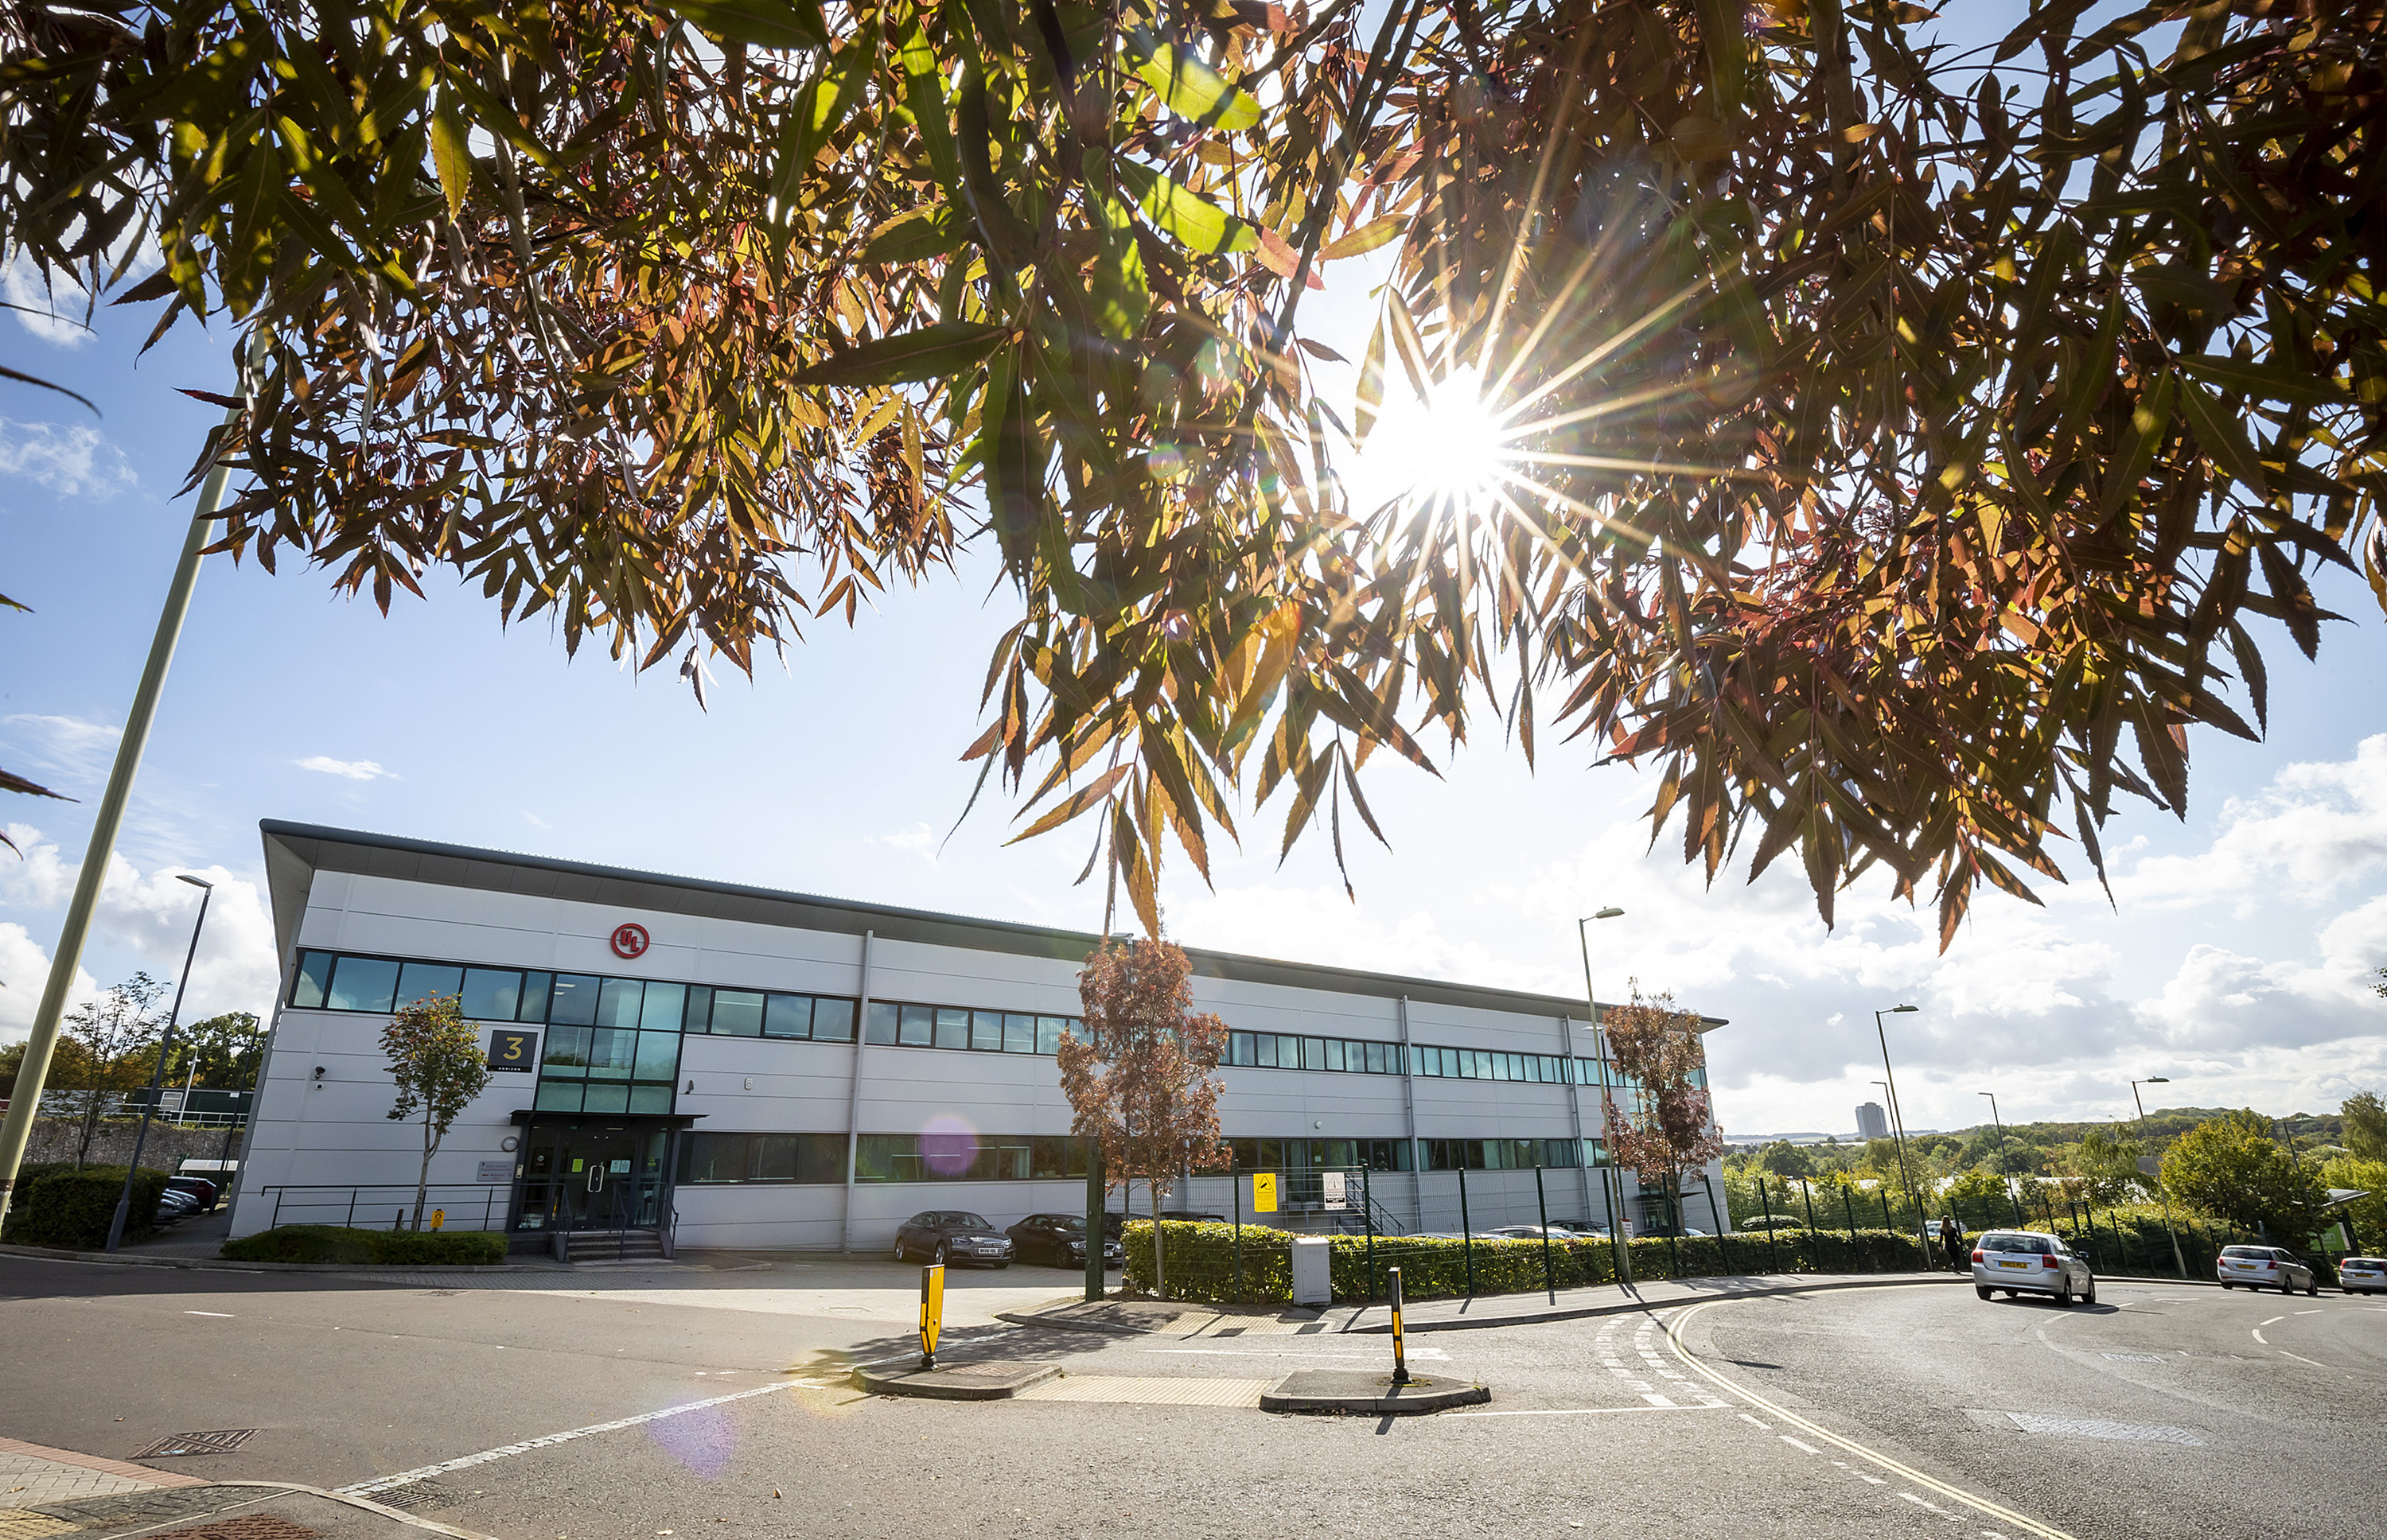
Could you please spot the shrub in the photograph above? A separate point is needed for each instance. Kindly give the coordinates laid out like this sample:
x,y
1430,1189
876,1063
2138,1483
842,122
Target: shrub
x,y
63,1207
1773,1221
369,1247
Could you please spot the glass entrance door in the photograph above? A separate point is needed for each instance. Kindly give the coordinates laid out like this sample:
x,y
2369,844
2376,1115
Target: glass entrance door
x,y
591,1174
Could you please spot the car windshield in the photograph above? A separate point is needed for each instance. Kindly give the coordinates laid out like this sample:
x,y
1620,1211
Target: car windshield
x,y
967,1221
2027,1245
1066,1221
2256,1252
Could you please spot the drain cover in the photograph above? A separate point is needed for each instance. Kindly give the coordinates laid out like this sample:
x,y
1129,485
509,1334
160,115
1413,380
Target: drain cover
x,y
223,1441
247,1526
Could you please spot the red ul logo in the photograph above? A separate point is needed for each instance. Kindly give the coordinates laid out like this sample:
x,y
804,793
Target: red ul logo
x,y
629,941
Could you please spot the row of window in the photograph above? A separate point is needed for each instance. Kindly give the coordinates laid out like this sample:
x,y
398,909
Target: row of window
x,y
715,1158
347,981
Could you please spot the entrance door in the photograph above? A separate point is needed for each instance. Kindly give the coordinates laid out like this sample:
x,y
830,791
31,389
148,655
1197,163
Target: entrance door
x,y
591,1174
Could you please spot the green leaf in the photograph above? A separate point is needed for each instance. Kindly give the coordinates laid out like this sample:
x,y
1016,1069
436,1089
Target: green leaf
x,y
924,94
816,116
932,352
1366,238
1120,292
1191,88
2263,380
763,23
932,230
451,153
2221,437
1193,220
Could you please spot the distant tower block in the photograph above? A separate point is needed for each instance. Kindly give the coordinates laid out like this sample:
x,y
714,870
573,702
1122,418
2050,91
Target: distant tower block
x,y
1871,1122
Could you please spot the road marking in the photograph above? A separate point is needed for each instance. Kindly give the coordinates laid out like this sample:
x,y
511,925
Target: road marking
x,y
1567,1412
220,1315
2301,1358
1982,1505
1755,1423
2307,1312
2273,1321
1796,1445
408,1478
2260,1338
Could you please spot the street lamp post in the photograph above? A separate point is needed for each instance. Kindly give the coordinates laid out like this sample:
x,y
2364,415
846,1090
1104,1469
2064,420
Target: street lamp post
x,y
1999,1124
158,1076
1897,1117
1611,1182
2176,1260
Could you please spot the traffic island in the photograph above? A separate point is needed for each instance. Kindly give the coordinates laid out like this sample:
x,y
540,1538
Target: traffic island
x,y
990,1380
1351,1390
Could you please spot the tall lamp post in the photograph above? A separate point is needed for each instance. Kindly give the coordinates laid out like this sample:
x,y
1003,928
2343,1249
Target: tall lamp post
x,y
2176,1260
158,1076
1897,1117
1611,1182
1998,1123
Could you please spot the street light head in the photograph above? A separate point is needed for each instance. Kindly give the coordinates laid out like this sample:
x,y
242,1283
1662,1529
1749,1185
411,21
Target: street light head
x,y
1905,1010
194,881
2158,1080
1608,914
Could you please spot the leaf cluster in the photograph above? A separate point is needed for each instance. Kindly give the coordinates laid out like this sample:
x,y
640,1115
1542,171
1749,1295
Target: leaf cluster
x,y
1139,1082
1666,1125
437,1062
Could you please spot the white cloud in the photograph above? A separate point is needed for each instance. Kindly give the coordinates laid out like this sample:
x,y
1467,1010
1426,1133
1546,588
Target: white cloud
x,y
73,461
2315,829
25,971
62,749
535,820
354,769
920,839
47,309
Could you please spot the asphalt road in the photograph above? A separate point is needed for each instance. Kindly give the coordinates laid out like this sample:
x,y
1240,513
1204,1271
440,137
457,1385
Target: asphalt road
x,y
1865,1413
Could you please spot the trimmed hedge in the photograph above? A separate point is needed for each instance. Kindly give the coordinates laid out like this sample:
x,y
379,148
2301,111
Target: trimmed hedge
x,y
62,1206
1202,1264
369,1247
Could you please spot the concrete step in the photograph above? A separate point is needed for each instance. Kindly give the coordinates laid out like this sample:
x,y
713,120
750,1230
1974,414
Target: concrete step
x,y
605,1246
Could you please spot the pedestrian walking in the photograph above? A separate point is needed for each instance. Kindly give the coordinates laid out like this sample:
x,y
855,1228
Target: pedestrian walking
x,y
1952,1241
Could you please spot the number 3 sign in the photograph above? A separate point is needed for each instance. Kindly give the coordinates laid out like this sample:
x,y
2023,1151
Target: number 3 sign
x,y
629,941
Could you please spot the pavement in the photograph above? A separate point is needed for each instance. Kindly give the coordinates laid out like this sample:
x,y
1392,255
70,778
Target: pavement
x,y
716,1399
48,1491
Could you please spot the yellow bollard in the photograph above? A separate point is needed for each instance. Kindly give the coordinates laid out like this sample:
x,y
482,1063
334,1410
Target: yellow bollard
x,y
1400,1350
932,1311
438,1218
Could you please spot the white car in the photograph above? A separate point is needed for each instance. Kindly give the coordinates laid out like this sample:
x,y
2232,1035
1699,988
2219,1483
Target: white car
x,y
2362,1275
2025,1262
2265,1267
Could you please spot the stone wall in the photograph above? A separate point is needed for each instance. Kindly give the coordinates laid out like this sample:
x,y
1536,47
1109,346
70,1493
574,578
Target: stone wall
x,y
55,1139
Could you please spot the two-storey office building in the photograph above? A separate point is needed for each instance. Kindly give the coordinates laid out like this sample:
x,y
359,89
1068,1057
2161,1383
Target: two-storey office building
x,y
747,1068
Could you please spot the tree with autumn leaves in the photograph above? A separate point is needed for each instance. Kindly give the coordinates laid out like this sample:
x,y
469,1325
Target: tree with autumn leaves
x,y
1662,1125
1140,1081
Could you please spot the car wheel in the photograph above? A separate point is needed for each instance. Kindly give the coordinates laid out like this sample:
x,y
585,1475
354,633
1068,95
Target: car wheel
x,y
1983,1290
939,1255
2227,1287
901,1254
999,1266
2089,1294
2063,1295
2312,1289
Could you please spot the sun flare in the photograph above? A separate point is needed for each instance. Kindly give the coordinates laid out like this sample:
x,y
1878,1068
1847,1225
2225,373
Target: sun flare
x,y
1440,454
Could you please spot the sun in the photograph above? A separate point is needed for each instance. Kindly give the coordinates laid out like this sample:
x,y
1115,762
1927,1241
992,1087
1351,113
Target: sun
x,y
1440,454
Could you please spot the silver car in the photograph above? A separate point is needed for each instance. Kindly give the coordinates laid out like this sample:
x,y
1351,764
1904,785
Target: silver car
x,y
2261,1267
2025,1262
2362,1275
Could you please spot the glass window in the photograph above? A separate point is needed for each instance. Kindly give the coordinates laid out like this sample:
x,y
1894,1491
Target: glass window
x,y
1264,1045
313,978
1018,1034
788,1015
699,1010
491,994
650,1098
1241,1049
737,1013
1334,1053
617,1002
663,1010
882,1022
1375,1058
611,1052
575,999
1313,1053
986,1030
1048,1033
1429,1061
1499,1066
363,984
918,1026
418,982
833,1021
953,1026
658,1055
567,1051
559,1096
533,996
608,1098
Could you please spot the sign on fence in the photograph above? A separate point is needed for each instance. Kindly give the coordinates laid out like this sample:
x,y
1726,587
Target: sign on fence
x,y
1331,1189
1263,1193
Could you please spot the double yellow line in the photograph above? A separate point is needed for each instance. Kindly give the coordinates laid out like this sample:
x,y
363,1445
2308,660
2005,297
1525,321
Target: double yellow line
x,y
2006,1516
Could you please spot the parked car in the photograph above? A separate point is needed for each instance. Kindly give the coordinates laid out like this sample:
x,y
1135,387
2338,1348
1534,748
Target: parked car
x,y
1058,1238
173,1206
1558,1232
2257,1266
951,1235
2362,1275
2025,1262
199,1188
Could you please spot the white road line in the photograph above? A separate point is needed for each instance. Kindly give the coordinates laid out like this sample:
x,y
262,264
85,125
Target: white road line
x,y
1980,1504
221,1315
2308,1312
1796,1445
1755,1423
407,1478
2260,1338
2273,1321
2301,1358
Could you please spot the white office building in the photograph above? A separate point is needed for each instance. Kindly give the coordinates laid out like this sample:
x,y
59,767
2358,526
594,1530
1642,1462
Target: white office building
x,y
1871,1122
712,1064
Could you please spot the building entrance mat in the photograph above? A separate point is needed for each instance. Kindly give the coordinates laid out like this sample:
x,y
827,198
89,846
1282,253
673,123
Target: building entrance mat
x,y
244,1526
222,1441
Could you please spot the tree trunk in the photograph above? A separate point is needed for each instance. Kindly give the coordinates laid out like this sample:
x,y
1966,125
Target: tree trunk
x,y
1159,1263
422,1178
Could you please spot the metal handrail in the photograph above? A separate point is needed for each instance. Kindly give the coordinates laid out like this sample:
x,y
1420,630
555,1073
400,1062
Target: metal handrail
x,y
489,1194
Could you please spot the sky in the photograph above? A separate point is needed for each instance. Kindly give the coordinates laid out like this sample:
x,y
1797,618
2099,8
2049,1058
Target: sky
x,y
2232,957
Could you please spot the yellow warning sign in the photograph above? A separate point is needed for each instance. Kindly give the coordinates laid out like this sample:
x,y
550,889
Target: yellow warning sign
x,y
1263,1193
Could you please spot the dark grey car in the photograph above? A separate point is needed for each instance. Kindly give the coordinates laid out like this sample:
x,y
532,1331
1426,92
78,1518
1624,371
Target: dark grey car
x,y
1058,1238
951,1235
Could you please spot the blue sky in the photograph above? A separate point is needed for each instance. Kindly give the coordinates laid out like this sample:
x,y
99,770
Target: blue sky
x,y
2233,959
